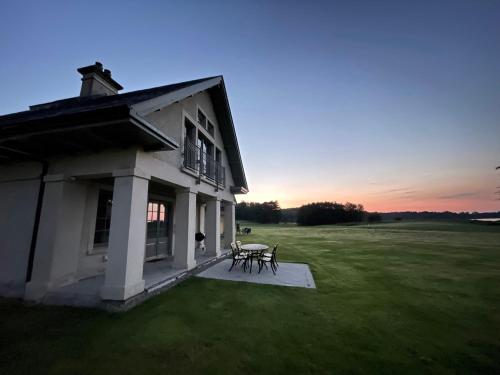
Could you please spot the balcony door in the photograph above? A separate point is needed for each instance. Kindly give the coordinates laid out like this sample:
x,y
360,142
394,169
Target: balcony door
x,y
157,239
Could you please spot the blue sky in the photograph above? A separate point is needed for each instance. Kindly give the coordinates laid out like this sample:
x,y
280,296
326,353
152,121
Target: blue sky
x,y
394,104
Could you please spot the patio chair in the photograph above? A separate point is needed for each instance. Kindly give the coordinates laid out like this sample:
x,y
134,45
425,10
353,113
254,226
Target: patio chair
x,y
238,257
240,250
270,255
270,258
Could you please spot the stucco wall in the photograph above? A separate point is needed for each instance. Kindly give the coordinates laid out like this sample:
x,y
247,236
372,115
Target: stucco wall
x,y
170,120
17,214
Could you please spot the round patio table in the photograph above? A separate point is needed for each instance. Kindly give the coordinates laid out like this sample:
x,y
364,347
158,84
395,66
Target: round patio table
x,y
254,249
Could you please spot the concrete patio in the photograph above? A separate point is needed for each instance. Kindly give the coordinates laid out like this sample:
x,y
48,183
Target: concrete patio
x,y
158,276
288,274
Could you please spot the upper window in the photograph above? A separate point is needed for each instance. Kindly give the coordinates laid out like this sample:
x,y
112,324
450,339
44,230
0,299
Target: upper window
x,y
211,128
103,220
202,119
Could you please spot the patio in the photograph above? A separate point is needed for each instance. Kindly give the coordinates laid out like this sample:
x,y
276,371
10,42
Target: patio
x,y
288,274
158,275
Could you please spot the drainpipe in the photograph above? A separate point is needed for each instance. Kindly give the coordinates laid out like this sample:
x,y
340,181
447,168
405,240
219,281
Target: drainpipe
x,y
36,224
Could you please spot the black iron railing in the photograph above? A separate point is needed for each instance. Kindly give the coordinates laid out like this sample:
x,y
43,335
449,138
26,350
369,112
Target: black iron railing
x,y
203,164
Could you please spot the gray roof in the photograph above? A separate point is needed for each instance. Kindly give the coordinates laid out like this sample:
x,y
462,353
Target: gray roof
x,y
89,103
34,130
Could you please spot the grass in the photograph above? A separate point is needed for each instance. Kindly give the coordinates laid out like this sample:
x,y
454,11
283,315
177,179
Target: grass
x,y
419,297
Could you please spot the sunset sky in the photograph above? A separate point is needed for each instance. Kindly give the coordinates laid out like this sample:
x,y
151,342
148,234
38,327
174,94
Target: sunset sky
x,y
391,104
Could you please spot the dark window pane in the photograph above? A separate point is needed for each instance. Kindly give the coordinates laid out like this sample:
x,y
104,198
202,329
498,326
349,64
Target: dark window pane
x,y
202,119
211,128
103,219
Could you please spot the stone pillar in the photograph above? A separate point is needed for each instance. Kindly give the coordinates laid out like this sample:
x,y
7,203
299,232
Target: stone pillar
x,y
185,229
127,237
229,224
212,227
59,236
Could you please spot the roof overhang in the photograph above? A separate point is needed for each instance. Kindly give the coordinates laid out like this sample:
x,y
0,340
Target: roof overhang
x,y
118,127
238,190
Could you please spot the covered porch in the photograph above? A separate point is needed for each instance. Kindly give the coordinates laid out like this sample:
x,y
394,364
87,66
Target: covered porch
x,y
114,238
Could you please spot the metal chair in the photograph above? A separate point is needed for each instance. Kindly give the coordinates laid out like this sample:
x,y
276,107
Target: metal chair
x,y
238,257
270,258
271,253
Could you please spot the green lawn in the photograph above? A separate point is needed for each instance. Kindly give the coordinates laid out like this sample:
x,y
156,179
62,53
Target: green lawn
x,y
420,297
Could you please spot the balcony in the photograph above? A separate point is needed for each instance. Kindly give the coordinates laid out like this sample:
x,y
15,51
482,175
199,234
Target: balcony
x,y
203,164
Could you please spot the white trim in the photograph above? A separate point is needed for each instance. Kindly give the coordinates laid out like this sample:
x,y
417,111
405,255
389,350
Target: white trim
x,y
148,106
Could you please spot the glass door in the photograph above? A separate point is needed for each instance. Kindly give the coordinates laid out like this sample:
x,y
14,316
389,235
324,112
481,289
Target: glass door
x,y
157,237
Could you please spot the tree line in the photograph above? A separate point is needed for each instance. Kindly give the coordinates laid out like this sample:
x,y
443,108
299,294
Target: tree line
x,y
267,212
309,214
320,213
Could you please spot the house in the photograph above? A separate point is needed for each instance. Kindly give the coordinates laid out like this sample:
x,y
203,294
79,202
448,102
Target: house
x,y
101,195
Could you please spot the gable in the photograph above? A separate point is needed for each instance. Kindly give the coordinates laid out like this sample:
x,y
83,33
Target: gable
x,y
221,115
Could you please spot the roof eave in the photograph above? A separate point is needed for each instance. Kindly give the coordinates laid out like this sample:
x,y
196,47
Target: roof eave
x,y
146,107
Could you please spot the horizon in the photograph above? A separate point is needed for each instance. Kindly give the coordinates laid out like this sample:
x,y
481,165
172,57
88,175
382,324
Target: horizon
x,y
389,105
381,212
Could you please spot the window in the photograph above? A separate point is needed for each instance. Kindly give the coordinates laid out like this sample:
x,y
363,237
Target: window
x,y
202,119
103,220
190,131
190,151
211,128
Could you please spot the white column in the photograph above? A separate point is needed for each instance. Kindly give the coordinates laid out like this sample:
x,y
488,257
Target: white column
x,y
59,235
127,238
185,229
229,224
212,227
201,221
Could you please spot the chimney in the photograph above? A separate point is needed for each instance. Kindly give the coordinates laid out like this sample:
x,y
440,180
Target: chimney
x,y
96,81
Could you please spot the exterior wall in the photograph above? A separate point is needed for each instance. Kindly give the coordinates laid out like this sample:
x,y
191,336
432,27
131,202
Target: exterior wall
x,y
170,120
18,200
56,253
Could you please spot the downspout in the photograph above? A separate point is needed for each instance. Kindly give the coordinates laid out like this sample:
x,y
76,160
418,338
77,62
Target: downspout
x,y
36,224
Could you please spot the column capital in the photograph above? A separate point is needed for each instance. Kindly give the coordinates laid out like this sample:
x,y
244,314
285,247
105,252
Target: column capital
x,y
217,199
131,172
184,190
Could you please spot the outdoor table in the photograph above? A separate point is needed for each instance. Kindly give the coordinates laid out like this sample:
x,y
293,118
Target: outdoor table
x,y
254,249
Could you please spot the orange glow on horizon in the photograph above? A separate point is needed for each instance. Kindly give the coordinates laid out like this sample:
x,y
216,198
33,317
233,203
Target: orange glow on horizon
x,y
430,201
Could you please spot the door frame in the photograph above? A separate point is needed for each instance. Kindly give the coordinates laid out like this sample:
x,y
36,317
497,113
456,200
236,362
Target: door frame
x,y
169,204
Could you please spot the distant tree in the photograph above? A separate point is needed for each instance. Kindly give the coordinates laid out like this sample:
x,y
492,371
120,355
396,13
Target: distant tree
x,y
320,213
267,212
374,217
289,215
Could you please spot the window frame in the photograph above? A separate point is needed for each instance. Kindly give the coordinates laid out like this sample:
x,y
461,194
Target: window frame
x,y
101,245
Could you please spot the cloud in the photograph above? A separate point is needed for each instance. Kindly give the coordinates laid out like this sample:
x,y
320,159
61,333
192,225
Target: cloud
x,y
459,195
409,194
392,191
